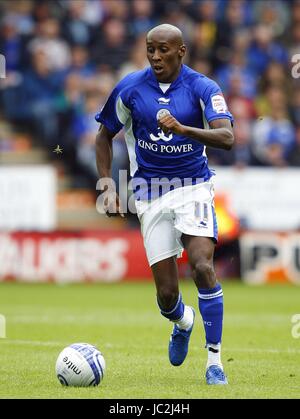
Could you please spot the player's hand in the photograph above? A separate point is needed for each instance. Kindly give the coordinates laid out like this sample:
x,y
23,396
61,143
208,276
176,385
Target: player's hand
x,y
112,205
170,124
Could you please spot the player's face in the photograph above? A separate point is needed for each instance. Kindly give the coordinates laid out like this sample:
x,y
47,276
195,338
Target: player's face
x,y
165,56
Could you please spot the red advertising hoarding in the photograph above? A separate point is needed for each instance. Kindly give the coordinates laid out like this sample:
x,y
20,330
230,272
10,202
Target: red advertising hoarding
x,y
62,257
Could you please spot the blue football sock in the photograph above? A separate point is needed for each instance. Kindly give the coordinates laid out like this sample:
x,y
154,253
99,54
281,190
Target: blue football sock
x,y
176,312
211,309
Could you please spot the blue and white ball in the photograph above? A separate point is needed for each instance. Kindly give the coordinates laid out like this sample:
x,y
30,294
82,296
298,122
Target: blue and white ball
x,y
80,365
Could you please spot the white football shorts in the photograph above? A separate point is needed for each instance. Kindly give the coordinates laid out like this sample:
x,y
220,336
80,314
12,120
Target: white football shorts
x,y
189,210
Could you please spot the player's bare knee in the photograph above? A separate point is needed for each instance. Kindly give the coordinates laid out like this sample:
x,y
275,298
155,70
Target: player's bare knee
x,y
204,275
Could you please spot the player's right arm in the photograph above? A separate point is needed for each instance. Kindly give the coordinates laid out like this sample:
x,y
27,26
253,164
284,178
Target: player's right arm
x,y
104,151
110,126
104,156
112,117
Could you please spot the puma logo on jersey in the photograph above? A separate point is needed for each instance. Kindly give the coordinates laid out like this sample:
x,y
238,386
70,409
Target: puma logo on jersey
x,y
163,101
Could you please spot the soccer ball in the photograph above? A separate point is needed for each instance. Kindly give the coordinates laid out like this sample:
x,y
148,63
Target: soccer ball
x,y
80,365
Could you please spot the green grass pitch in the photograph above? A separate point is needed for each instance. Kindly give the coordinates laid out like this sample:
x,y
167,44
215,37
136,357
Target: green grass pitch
x,y
260,355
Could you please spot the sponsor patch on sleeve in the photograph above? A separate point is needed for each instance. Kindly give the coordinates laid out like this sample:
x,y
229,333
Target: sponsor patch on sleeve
x,y
219,104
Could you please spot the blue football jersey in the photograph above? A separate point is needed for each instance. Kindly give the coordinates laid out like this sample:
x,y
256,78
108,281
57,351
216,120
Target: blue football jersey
x,y
139,100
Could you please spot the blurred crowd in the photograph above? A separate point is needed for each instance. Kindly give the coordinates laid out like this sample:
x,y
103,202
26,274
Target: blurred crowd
x,y
63,57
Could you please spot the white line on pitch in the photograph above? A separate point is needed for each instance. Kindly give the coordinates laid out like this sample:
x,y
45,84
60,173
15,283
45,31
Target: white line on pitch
x,y
111,345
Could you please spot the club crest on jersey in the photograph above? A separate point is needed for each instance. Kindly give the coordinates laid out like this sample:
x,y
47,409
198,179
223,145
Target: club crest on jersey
x,y
161,113
161,135
163,101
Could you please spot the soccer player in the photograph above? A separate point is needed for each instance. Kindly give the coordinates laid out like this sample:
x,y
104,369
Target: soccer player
x,y
170,113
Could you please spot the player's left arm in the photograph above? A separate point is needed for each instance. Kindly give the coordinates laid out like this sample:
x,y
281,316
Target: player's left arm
x,y
220,134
